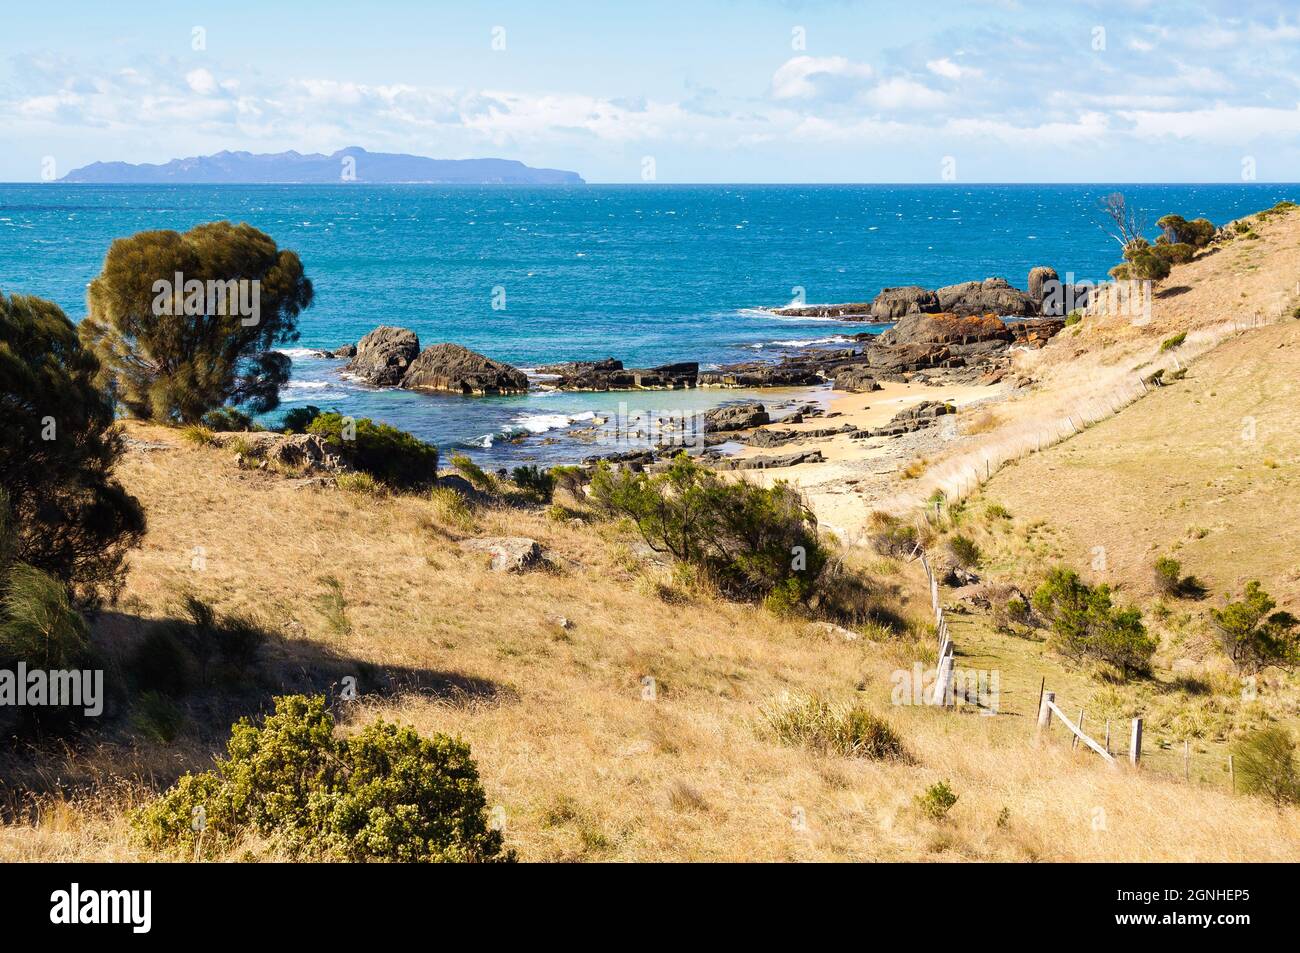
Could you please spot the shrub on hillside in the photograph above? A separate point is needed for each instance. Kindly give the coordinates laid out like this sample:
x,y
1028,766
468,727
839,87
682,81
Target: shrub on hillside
x,y
58,448
937,801
748,539
475,474
1266,764
299,419
38,624
537,483
207,352
228,420
1087,625
1178,231
1171,582
891,536
386,453
964,551
1254,635
385,794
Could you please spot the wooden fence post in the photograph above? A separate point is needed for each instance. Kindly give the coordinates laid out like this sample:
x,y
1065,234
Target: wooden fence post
x,y
1187,760
1108,736
1232,775
1041,685
1074,742
1045,711
1135,743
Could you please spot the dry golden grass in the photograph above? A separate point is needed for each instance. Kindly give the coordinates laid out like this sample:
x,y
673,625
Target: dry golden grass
x,y
585,762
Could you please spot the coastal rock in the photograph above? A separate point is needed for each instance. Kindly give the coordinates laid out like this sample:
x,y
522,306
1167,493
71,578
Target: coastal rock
x,y
509,553
346,351
850,311
735,417
909,420
1035,332
768,463
856,379
893,303
789,373
897,359
458,370
767,439
946,328
384,355
610,374
305,452
993,295
1039,279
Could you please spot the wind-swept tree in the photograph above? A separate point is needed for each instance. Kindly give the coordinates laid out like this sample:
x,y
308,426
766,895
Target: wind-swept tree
x,y
185,323
67,516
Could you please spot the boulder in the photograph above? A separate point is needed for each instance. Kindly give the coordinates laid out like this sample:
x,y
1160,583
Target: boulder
x,y
893,303
1038,282
508,553
851,311
897,359
610,374
383,355
458,370
346,351
767,463
946,328
300,451
735,417
789,373
993,295
856,379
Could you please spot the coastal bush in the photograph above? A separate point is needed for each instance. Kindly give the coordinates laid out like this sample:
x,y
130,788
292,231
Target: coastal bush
x,y
228,420
1176,253
215,347
38,624
1086,624
163,663
1254,635
853,731
1170,581
359,482
58,449
157,717
221,643
451,508
385,794
1142,263
390,455
1074,317
471,471
537,483
298,419
1265,762
196,434
964,551
1178,231
891,536
570,479
748,539
1169,343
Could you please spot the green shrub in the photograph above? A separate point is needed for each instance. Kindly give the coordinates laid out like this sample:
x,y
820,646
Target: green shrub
x,y
299,419
1073,318
334,606
748,539
1177,230
390,455
571,479
1241,227
891,536
1168,344
536,482
1255,636
1087,625
996,511
472,472
386,794
1170,581
1265,762
163,663
58,448
451,507
228,420
38,624
964,551
937,801
230,641
1176,253
179,366
848,730
359,482
196,434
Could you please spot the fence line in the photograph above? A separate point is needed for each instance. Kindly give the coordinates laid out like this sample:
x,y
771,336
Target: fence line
x,y
1048,705
943,672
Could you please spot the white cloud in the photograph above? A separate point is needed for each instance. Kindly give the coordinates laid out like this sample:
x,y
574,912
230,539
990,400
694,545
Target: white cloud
x,y
949,70
794,78
901,93
201,81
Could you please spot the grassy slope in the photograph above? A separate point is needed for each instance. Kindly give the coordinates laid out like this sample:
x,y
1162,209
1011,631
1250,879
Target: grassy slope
x,y
585,768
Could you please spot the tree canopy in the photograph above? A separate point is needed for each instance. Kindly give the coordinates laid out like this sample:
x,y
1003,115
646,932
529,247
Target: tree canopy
x,y
58,447
185,323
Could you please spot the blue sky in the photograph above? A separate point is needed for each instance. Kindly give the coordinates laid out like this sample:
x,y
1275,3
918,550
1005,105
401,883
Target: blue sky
x,y
713,91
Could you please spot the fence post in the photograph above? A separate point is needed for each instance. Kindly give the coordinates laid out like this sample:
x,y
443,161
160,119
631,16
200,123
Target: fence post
x,y
1232,775
1108,736
1187,760
1045,711
1135,743
1074,741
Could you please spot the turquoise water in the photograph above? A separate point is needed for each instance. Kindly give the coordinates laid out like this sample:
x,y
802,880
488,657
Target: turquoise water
x,y
648,274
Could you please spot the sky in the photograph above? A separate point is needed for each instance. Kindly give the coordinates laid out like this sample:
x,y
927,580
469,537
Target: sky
x,y
667,91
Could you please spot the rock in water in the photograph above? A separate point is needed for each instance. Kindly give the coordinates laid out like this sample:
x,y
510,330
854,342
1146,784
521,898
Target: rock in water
x,y
893,303
992,295
735,417
450,367
1038,281
384,355
509,553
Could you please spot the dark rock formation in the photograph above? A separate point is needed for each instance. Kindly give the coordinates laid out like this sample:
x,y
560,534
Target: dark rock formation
x,y
458,370
850,311
1039,279
946,328
384,354
856,379
767,463
767,439
893,303
992,295
735,417
346,351
610,374
910,420
791,372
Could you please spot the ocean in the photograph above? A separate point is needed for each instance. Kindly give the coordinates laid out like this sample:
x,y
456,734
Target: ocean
x,y
645,273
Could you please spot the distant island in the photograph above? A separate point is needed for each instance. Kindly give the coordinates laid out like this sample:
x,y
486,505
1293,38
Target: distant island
x,y
353,164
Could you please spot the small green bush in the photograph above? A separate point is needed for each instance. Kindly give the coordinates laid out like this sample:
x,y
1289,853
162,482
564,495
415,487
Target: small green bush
x,y
390,455
1265,762
937,801
359,482
386,794
227,420
996,511
451,507
299,419
849,730
1073,318
163,663
891,536
539,484
475,474
1254,635
157,717
1170,581
748,539
1087,625
1168,344
1177,230
196,434
38,624
964,551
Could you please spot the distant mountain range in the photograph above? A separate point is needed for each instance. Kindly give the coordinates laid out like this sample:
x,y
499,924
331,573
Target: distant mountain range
x,y
353,164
